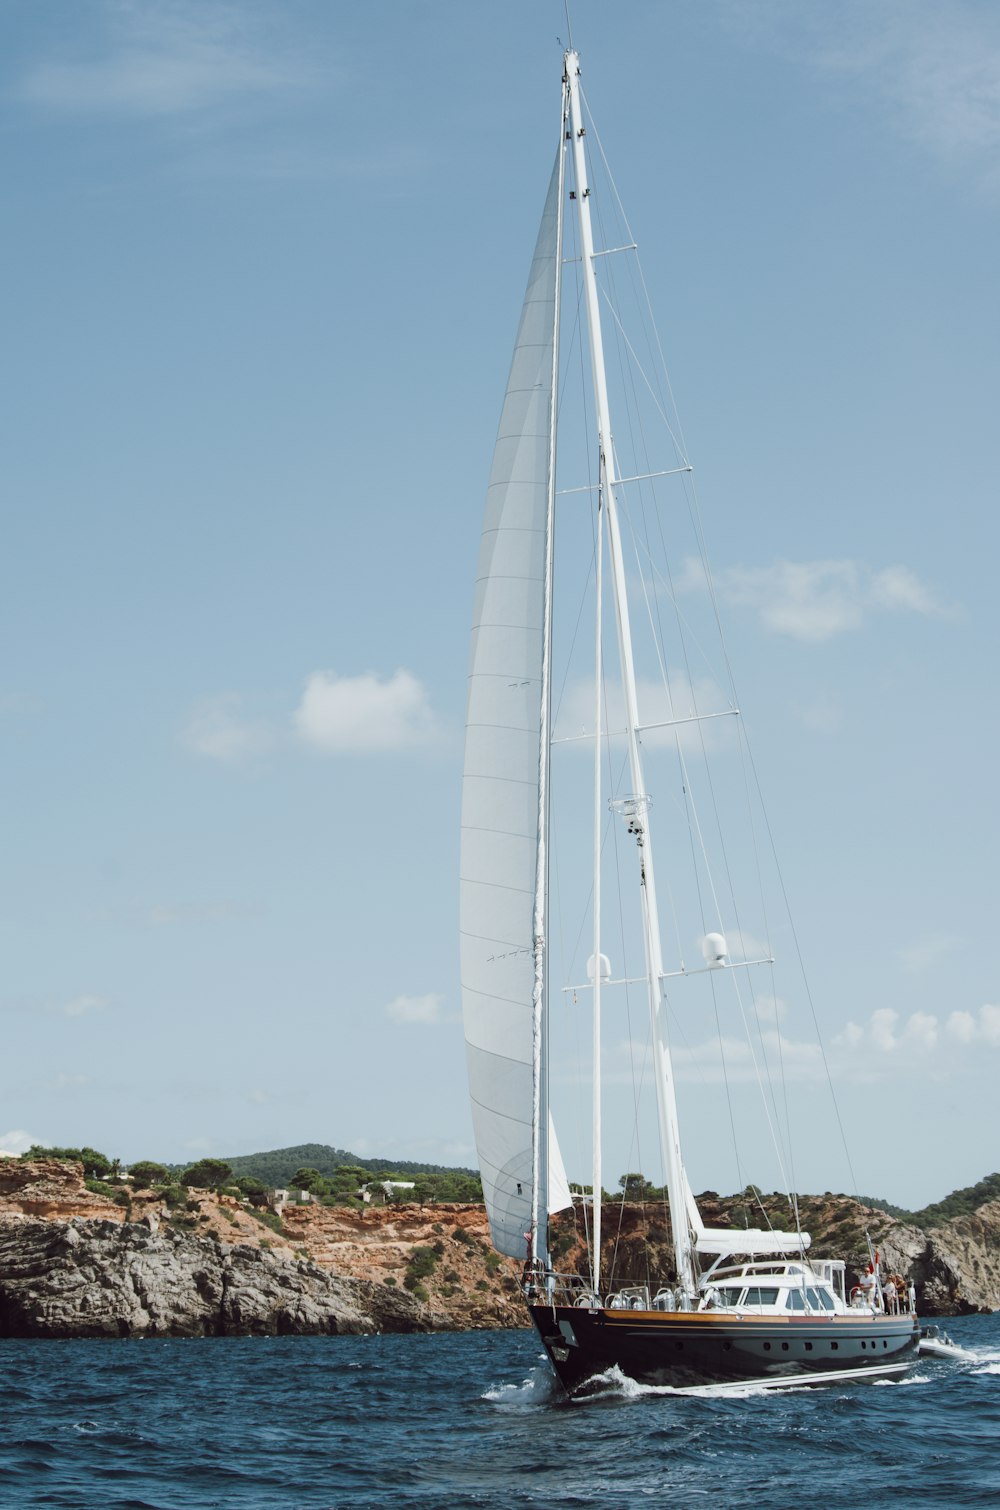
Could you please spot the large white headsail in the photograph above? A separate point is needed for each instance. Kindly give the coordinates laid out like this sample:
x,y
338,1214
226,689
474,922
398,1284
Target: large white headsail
x,y
500,790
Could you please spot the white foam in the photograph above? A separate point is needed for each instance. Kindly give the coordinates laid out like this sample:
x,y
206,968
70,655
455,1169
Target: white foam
x,y
536,1389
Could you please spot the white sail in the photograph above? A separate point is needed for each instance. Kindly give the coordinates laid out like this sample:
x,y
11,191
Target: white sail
x,y
500,787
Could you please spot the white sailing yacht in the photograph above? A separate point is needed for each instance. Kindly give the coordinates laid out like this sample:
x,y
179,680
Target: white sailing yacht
x,y
737,1303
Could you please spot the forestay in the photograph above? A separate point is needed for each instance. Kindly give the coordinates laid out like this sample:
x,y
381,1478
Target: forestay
x,y
501,781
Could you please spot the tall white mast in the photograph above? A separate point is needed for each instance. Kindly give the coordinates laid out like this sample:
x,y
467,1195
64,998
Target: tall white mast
x,y
539,1247
639,804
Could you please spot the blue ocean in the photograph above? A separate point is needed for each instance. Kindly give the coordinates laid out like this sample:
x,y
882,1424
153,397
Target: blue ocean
x,y
471,1419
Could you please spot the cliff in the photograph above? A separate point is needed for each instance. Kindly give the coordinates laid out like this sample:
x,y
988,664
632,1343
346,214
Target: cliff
x,y
74,1262
121,1279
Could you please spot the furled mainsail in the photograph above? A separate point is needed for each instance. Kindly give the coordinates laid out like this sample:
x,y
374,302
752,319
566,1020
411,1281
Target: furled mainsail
x,y
500,787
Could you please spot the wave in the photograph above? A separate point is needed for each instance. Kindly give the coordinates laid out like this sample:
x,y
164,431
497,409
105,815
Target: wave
x,y
540,1387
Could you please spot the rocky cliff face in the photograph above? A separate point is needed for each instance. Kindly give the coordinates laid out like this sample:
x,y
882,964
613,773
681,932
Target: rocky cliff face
x,y
121,1279
51,1188
74,1263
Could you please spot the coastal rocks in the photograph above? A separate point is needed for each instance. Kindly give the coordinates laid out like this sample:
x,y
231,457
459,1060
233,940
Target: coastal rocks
x,y
963,1269
442,1251
111,1279
52,1188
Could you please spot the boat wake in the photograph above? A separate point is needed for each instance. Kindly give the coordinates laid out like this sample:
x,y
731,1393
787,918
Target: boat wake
x,y
540,1387
614,1385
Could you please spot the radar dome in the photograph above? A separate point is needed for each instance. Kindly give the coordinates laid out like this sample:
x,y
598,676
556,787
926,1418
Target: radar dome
x,y
604,965
713,947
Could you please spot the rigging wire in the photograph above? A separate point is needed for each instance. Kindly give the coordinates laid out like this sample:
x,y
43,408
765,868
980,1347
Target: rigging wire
x,y
675,431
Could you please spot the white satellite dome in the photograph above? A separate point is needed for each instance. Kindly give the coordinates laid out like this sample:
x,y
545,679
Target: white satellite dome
x,y
605,967
714,949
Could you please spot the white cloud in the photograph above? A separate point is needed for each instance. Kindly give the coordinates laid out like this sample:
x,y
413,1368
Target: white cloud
x,y
64,1081
19,1141
815,600
935,63
416,1009
927,951
734,1062
338,715
364,714
170,58
967,1028
742,946
920,1035
922,1031
886,1044
899,587
82,1006
218,730
963,1026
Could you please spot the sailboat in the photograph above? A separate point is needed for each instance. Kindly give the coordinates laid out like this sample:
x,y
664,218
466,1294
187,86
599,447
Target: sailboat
x,y
735,1304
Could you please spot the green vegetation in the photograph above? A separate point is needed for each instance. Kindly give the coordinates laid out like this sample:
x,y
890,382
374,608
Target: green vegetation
x,y
421,1264
255,1190
277,1167
96,1166
208,1174
959,1203
268,1219
146,1174
341,1186
334,1176
117,1193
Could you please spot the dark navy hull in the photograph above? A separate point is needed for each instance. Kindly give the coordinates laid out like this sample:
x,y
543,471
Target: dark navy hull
x,y
685,1349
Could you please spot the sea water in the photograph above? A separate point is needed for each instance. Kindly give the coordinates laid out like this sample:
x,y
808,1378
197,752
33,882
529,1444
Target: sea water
x,y
472,1419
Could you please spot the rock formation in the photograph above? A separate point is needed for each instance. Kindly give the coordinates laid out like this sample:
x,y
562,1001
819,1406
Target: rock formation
x,y
122,1279
74,1262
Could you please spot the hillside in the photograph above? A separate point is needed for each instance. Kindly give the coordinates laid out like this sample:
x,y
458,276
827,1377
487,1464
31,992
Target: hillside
x,y
277,1165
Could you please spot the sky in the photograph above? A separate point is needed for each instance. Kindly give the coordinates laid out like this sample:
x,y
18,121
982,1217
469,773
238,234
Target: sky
x,y
263,266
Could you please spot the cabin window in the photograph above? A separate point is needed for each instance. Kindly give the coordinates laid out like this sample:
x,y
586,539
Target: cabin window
x,y
730,1295
826,1300
795,1301
761,1297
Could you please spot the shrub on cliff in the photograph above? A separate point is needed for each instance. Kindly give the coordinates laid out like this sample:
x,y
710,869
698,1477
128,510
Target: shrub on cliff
x,y
421,1263
255,1190
113,1192
96,1166
208,1174
146,1173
